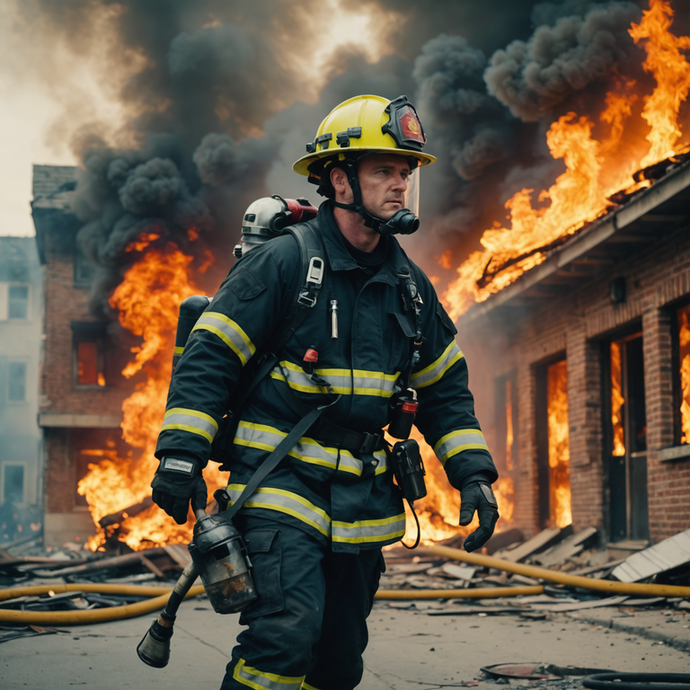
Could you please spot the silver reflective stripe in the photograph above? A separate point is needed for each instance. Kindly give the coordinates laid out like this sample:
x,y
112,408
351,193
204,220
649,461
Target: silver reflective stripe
x,y
368,531
193,421
259,680
435,371
456,441
342,381
229,332
285,502
307,450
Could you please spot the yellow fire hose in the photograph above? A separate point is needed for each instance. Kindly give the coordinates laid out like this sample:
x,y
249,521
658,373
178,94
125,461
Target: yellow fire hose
x,y
160,597
562,578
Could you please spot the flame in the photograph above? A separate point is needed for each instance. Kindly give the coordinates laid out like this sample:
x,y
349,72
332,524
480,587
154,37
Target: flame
x,y
439,511
596,169
684,343
617,400
509,425
672,74
148,303
559,444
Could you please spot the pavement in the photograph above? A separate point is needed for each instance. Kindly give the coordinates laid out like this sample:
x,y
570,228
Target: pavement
x,y
408,650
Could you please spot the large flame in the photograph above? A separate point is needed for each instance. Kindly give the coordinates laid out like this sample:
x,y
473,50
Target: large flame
x,y
559,444
148,302
595,168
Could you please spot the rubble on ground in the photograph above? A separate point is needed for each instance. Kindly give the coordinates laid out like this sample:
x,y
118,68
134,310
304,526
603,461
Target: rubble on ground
x,y
27,563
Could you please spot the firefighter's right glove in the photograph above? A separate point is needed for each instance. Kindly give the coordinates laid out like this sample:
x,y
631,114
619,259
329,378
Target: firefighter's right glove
x,y
476,495
175,483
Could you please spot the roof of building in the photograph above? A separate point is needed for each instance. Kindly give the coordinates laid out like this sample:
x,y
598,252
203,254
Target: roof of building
x,y
53,186
648,216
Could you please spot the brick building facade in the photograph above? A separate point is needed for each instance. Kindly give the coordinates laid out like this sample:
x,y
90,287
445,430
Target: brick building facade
x,y
612,303
81,390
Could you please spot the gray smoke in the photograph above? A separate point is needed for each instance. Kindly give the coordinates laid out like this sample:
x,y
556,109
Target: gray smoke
x,y
533,77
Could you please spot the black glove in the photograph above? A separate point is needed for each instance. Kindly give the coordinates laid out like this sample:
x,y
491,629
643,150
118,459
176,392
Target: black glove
x,y
175,482
476,495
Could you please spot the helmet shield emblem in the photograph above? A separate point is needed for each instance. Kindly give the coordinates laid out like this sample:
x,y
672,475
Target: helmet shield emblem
x,y
404,125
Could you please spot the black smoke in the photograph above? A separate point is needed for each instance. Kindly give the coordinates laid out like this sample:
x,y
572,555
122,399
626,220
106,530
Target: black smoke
x,y
219,98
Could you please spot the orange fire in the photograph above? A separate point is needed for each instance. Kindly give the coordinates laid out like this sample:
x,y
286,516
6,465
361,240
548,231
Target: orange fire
x,y
559,444
148,302
509,425
684,342
595,168
439,511
617,400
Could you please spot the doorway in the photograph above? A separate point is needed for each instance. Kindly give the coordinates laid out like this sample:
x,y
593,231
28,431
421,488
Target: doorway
x,y
626,440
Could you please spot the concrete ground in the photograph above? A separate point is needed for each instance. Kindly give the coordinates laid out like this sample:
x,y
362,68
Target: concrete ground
x,y
408,649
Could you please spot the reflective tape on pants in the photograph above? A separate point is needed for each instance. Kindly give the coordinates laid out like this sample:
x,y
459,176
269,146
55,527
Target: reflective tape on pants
x,y
259,680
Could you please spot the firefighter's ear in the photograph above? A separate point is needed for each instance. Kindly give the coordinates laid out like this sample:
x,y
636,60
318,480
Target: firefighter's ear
x,y
339,180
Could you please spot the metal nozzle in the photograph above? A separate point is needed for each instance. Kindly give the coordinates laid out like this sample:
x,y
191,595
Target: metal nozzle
x,y
154,649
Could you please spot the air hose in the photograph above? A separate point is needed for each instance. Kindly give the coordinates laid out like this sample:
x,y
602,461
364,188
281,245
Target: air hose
x,y
637,681
160,599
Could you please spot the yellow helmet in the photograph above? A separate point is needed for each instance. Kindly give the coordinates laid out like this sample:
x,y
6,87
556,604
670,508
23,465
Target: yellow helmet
x,y
365,124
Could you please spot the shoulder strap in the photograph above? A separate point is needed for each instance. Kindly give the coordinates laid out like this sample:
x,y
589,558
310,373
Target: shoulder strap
x,y
311,251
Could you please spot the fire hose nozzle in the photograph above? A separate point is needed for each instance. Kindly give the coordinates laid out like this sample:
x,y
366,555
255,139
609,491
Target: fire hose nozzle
x,y
154,648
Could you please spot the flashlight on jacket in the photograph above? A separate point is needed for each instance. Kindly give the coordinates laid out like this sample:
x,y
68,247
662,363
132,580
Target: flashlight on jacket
x,y
404,411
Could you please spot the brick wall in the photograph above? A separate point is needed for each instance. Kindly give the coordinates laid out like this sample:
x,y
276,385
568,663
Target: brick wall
x,y
64,304
576,326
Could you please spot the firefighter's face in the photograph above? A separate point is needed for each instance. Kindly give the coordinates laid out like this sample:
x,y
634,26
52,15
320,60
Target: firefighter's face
x,y
383,180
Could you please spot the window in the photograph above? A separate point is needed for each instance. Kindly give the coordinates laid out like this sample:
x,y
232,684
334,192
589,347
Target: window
x,y
88,342
14,301
18,302
16,385
83,268
13,484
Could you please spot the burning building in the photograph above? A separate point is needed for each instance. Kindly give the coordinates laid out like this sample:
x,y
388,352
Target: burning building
x,y
573,314
577,312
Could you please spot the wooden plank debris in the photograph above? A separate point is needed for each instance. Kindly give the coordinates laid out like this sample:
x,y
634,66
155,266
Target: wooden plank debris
x,y
569,547
580,605
459,572
667,554
537,543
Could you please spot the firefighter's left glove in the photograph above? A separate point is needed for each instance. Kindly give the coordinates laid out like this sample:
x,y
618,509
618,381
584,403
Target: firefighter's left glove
x,y
175,483
477,496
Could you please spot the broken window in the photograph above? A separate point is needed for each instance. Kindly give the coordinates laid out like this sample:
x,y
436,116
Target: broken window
x,y
553,444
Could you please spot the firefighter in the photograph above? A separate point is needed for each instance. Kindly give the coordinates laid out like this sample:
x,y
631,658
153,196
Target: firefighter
x,y
315,526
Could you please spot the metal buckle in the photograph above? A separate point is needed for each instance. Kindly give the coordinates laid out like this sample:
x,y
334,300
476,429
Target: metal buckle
x,y
306,298
370,443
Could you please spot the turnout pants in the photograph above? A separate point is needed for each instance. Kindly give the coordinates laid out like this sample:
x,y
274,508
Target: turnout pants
x,y
308,628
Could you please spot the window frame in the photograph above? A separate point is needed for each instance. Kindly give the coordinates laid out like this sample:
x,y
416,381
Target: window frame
x,y
3,481
17,401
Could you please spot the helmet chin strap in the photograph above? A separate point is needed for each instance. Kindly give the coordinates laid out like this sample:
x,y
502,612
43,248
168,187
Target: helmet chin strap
x,y
403,222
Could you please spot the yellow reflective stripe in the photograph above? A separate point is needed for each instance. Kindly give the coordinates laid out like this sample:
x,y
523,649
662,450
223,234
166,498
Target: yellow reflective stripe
x,y
259,680
263,437
306,686
193,421
435,371
229,332
366,531
342,381
456,441
285,502
178,350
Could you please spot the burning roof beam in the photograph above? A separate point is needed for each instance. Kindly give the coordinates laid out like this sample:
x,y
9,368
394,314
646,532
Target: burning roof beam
x,y
615,235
